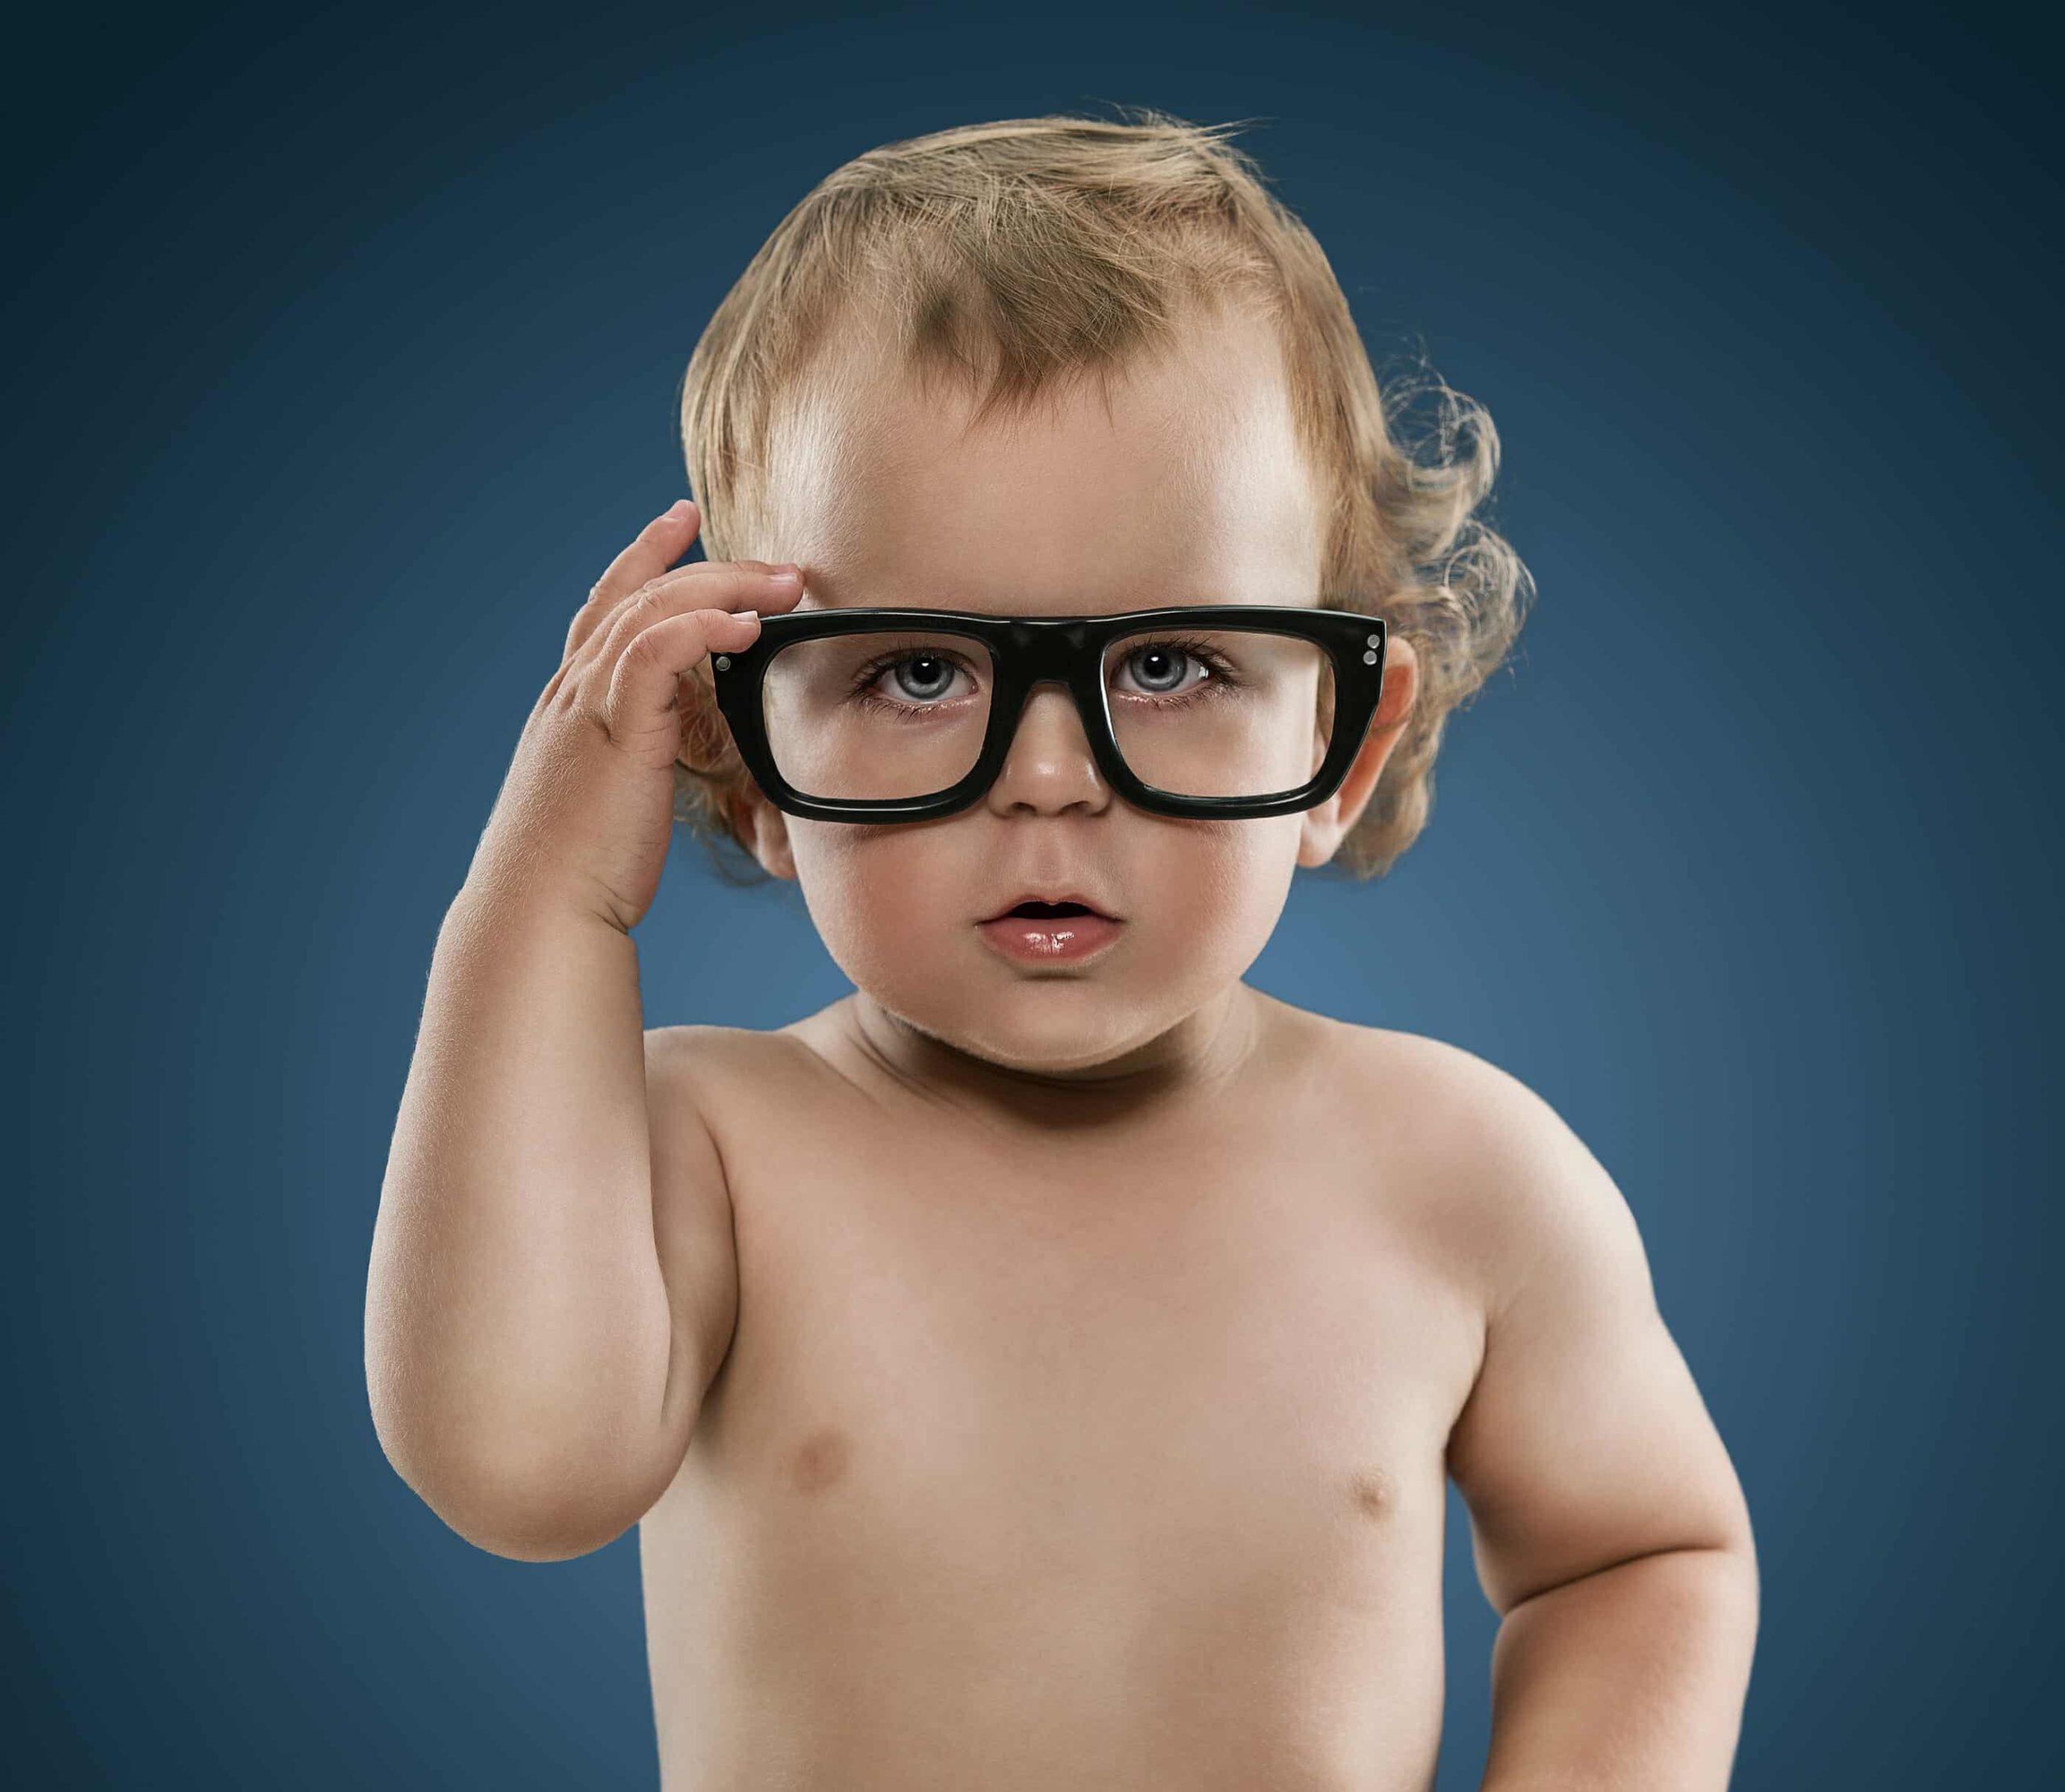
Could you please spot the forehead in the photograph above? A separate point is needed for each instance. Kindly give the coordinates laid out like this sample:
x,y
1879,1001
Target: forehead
x,y
1177,479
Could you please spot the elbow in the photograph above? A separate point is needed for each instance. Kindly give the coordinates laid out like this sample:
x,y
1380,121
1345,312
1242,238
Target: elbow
x,y
535,1532
521,1513
528,1481
523,1509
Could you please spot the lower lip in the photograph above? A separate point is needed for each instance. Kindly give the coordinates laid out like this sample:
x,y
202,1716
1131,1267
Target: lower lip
x,y
1066,940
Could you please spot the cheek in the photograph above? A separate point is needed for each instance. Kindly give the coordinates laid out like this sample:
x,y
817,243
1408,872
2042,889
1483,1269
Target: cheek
x,y
876,893
1227,879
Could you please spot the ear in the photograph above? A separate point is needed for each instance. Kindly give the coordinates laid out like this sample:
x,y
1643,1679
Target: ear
x,y
764,828
1326,826
704,736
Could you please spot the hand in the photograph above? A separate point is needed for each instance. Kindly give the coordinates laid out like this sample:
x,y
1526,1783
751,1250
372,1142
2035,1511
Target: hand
x,y
587,810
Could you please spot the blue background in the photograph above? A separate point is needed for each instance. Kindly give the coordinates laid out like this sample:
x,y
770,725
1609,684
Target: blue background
x,y
344,350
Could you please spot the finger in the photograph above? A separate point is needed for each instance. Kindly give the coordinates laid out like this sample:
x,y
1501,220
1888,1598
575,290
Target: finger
x,y
641,708
653,550
714,584
665,595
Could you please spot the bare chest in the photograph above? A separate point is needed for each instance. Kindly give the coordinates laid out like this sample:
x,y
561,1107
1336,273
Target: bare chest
x,y
1094,1424
1083,1337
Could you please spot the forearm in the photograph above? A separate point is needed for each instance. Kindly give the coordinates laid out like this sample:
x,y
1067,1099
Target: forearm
x,y
517,1323
1632,1677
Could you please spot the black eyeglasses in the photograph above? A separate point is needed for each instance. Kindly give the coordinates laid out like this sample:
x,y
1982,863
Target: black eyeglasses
x,y
1259,689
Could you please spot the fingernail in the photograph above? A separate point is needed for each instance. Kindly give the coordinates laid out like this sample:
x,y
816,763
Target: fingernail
x,y
749,615
782,574
679,510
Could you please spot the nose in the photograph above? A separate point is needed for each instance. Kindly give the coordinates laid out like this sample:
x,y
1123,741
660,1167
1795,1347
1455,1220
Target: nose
x,y
1049,767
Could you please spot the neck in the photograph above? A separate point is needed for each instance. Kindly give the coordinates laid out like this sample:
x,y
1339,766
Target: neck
x,y
1200,1053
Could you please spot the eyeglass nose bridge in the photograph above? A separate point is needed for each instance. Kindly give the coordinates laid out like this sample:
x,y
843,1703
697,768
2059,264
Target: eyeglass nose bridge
x,y
1010,720
1053,651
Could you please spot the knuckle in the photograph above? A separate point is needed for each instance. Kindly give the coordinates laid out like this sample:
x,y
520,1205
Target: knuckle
x,y
720,570
659,600
675,594
625,626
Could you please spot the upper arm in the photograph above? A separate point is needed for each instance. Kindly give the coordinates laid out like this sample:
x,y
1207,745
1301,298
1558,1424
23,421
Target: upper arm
x,y
692,1229
1584,1442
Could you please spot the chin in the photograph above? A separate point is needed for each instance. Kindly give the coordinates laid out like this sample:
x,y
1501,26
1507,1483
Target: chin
x,y
1047,1024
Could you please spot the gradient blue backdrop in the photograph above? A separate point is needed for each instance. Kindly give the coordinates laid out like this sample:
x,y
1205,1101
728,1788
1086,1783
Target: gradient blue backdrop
x,y
344,350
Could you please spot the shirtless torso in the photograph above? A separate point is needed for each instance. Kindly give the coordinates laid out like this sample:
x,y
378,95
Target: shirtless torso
x,y
1050,1453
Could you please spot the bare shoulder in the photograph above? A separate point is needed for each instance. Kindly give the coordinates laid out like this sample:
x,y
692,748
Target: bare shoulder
x,y
702,1074
1391,1062
1423,1088
722,1092
687,1045
1507,1173
683,1050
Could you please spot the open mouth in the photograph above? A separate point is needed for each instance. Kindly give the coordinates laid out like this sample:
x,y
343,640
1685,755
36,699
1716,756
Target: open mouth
x,y
1071,905
1035,931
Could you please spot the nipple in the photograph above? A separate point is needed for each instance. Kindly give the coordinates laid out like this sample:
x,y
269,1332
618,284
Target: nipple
x,y
822,1459
1373,1492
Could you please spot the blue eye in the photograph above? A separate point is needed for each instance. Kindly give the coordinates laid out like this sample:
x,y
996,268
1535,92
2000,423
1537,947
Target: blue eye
x,y
1176,668
918,680
1170,668
932,677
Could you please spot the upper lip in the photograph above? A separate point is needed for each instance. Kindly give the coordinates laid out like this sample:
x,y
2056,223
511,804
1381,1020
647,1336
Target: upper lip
x,y
1090,902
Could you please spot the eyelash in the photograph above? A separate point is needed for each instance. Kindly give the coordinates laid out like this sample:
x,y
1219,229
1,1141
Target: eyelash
x,y
1223,677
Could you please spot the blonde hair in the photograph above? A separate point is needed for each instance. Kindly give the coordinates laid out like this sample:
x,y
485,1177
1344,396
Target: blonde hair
x,y
1030,252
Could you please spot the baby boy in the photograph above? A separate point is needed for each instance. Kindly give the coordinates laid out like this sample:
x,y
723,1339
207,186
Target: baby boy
x,y
1043,1367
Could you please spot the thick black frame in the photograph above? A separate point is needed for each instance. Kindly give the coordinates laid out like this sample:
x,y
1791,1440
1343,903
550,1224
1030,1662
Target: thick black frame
x,y
1026,650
